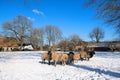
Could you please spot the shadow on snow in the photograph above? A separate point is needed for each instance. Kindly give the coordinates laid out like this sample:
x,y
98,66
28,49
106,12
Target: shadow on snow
x,y
110,73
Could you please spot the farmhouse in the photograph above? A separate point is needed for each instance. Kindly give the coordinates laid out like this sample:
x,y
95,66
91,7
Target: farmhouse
x,y
8,43
105,46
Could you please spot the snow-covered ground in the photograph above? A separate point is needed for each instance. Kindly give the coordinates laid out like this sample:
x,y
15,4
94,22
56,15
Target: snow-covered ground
x,y
28,66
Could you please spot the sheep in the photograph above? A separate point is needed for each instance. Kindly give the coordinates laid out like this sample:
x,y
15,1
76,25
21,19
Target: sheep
x,y
59,57
76,57
90,54
70,57
64,58
86,55
83,55
46,56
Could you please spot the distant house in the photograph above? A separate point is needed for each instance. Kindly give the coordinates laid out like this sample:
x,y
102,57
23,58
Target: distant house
x,y
8,43
104,46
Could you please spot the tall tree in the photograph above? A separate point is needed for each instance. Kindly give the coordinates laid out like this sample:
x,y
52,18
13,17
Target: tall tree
x,y
53,35
75,40
64,44
41,38
96,34
20,27
107,10
37,38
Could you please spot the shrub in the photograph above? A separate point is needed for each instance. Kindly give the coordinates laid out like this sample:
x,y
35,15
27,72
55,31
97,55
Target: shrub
x,y
26,49
116,49
15,49
1,49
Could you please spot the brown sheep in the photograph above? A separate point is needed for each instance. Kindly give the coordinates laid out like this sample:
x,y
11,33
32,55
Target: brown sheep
x,y
64,58
46,56
83,55
59,57
76,57
86,55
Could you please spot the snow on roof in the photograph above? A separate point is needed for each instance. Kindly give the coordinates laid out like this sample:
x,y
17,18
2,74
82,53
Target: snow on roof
x,y
28,47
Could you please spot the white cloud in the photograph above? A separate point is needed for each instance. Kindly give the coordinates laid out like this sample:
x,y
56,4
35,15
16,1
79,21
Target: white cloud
x,y
38,12
32,19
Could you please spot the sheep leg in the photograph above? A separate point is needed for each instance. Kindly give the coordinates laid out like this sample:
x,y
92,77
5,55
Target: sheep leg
x,y
55,63
81,59
76,60
64,63
48,62
87,59
43,61
72,61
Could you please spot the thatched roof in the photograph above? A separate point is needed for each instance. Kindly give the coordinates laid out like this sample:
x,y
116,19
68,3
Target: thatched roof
x,y
8,42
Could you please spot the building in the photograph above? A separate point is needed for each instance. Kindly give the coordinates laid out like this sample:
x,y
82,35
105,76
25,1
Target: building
x,y
105,46
8,43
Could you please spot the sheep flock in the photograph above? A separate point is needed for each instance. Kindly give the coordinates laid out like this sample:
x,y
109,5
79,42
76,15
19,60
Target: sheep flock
x,y
66,58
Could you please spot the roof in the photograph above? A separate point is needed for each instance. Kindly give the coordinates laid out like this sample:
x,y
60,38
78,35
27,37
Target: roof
x,y
8,42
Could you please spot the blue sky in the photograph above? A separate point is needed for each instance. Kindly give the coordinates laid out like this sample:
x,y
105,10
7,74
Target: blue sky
x,y
69,15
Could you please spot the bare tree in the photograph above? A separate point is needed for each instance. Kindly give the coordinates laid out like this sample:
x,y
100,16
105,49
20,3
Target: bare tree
x,y
71,43
74,40
53,35
64,44
37,38
107,10
33,39
20,27
97,34
41,38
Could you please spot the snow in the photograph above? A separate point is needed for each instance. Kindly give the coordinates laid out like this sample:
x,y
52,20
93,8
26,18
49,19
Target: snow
x,y
28,47
28,66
